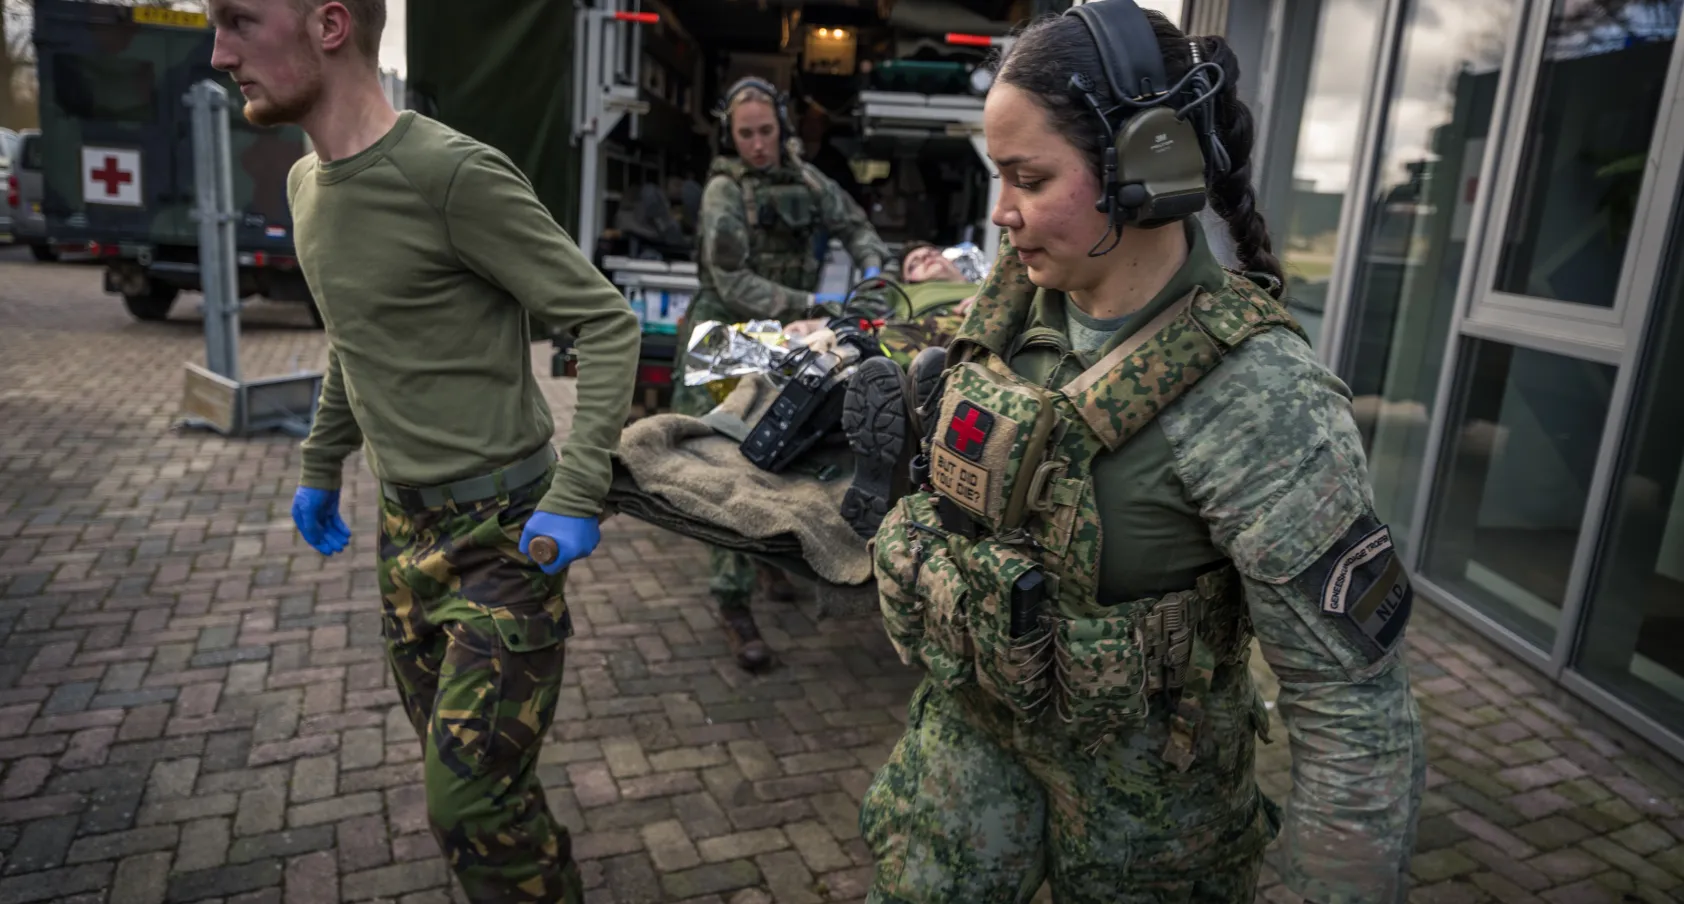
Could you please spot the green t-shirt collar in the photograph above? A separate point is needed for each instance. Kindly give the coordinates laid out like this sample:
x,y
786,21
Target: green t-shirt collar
x,y
346,167
1047,316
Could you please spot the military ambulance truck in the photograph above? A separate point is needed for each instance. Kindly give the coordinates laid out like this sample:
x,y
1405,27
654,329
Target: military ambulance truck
x,y
606,106
117,154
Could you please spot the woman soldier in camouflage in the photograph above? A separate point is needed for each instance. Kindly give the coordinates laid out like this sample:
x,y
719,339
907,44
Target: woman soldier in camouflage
x,y
765,217
1134,465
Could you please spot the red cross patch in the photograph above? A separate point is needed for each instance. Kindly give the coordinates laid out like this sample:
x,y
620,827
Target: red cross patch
x,y
968,432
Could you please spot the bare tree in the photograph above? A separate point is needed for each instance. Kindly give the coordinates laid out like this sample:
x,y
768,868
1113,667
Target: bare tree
x,y
17,55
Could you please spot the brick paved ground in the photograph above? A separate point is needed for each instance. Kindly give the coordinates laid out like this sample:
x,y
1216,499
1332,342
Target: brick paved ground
x,y
193,708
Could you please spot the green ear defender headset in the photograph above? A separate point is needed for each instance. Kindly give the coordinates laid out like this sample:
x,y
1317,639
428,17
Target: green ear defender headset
x,y
1154,169
780,104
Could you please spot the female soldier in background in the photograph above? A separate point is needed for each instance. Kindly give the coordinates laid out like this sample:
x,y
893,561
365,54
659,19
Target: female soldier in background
x,y
764,221
1134,465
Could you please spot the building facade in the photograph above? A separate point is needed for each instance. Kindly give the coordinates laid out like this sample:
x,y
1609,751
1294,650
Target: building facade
x,y
1478,204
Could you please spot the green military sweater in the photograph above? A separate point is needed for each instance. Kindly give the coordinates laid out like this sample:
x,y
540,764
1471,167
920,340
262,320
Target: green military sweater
x,y
1155,540
425,253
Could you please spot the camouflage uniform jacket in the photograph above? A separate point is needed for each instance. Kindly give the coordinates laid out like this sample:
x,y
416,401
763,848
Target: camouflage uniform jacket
x,y
761,237
1224,397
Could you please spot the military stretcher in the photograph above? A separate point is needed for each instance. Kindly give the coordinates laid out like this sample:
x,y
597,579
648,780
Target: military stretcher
x,y
766,471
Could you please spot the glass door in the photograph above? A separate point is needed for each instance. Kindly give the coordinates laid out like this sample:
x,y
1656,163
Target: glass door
x,y
1454,65
1542,358
1322,73
1632,640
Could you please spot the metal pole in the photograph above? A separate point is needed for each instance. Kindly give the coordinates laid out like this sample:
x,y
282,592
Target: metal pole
x,y
226,254
213,181
590,159
590,149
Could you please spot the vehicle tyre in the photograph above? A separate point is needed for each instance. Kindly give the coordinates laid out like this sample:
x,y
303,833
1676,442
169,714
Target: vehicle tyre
x,y
154,304
45,253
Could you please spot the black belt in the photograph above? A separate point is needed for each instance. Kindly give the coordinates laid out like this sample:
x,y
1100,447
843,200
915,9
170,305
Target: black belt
x,y
473,489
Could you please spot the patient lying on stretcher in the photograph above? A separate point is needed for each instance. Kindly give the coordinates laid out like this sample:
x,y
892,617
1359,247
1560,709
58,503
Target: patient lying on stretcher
x,y
919,317
689,475
933,282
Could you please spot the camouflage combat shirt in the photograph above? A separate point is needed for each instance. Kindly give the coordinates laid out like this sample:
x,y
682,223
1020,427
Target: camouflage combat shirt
x,y
1260,462
761,236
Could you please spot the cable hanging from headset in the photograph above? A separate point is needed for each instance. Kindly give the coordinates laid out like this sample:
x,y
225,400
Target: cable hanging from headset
x,y
1116,234
853,292
846,308
1083,87
1219,163
1206,93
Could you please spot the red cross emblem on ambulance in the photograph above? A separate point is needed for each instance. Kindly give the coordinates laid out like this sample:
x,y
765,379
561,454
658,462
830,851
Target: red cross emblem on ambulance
x,y
111,175
968,431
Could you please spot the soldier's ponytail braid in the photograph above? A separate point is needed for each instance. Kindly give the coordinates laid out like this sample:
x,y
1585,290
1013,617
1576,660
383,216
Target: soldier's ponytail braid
x,y
1232,195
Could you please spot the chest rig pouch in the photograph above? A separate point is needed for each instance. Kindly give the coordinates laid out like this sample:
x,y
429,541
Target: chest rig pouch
x,y
989,572
789,206
784,218
993,435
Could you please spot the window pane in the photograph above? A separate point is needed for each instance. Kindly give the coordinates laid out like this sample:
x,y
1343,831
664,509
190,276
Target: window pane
x,y
1326,151
1433,140
1634,629
1592,116
1510,496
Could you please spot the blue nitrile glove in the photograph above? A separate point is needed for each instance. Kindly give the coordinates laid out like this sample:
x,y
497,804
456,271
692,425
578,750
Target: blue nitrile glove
x,y
870,272
316,513
575,538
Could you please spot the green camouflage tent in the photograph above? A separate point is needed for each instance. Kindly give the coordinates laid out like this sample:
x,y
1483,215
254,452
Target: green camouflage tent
x,y
501,71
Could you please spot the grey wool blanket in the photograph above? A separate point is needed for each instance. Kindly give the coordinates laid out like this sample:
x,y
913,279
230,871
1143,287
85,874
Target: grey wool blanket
x,y
686,474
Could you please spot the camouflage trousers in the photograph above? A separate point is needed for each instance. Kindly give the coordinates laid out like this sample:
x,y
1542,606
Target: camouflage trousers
x,y
974,807
475,637
731,574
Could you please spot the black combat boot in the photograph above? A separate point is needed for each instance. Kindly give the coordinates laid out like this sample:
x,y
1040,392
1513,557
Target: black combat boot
x,y
774,585
743,635
882,425
925,373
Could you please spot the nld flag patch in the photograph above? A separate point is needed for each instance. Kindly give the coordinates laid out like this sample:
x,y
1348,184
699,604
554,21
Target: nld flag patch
x,y
1364,588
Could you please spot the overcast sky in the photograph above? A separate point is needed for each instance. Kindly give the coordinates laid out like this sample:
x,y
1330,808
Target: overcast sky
x,y
1441,36
392,39
1170,8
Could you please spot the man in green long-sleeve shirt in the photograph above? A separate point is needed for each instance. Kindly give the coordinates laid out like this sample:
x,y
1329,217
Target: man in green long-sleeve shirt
x,y
426,251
